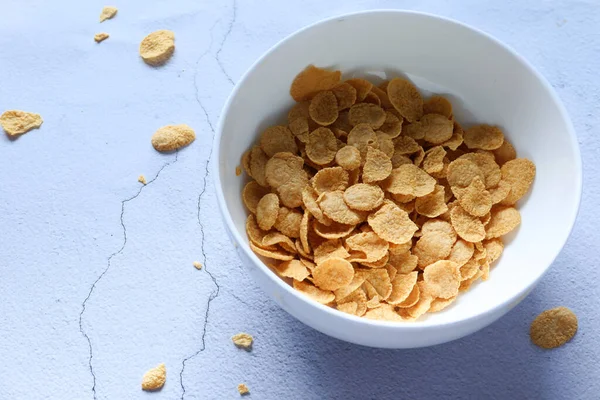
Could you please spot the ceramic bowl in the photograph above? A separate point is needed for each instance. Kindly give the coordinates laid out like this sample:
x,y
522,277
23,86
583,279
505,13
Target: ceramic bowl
x,y
486,82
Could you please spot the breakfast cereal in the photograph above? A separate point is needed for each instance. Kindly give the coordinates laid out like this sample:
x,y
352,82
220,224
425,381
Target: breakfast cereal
x,y
155,378
173,137
15,122
378,203
108,12
157,47
553,328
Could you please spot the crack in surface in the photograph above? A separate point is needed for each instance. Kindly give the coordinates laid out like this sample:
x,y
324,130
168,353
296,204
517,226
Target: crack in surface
x,y
215,292
108,264
218,53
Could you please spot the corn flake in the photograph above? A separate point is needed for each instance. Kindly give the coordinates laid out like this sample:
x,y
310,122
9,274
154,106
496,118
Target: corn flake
x,y
378,166
392,224
348,157
311,81
468,227
362,86
519,174
330,179
334,206
316,294
366,113
438,105
409,179
333,273
267,210
405,98
504,220
363,197
484,137
345,95
323,108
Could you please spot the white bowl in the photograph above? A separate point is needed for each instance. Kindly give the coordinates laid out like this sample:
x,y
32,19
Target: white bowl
x,y
487,82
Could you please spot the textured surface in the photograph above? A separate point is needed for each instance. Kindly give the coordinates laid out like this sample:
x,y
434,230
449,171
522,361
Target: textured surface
x,y
97,283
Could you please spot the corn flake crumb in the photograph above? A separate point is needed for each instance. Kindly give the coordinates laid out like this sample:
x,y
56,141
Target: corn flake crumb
x,y
99,37
155,378
243,340
198,265
142,179
108,12
243,389
17,122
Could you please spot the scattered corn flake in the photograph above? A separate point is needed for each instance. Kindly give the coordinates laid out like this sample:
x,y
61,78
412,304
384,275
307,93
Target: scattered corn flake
x,y
505,153
172,137
267,210
438,105
294,269
108,12
311,81
433,204
243,389
197,265
99,37
277,139
243,340
310,290
323,108
405,98
409,179
15,122
362,86
519,174
402,287
288,222
363,197
142,179
348,157
468,227
553,328
157,47
155,378
330,179
345,95
504,220
334,206
366,113
461,253
378,166
484,137
474,199
251,195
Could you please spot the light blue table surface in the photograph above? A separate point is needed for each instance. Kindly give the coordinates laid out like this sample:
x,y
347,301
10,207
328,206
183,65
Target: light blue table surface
x,y
76,228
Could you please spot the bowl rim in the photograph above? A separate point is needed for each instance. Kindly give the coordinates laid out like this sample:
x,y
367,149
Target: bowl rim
x,y
413,325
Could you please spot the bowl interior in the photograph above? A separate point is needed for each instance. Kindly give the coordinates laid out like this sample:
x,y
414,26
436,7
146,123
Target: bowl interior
x,y
486,82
